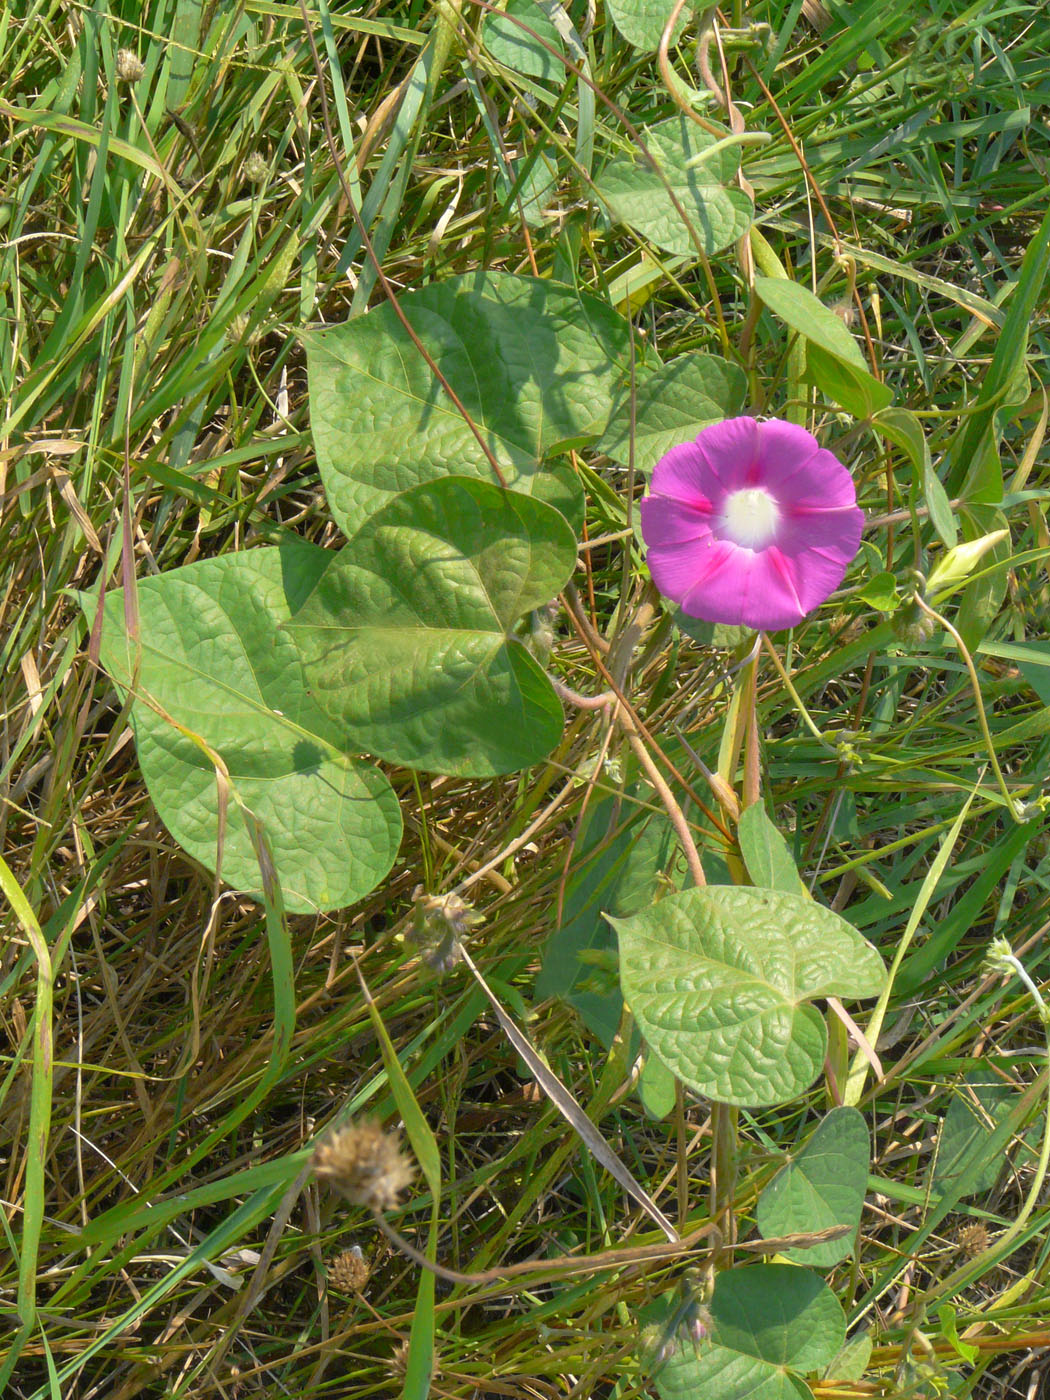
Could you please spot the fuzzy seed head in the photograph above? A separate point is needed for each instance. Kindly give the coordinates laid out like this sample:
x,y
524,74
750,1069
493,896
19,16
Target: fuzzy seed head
x,y
130,67
349,1272
440,923
973,1239
255,169
365,1165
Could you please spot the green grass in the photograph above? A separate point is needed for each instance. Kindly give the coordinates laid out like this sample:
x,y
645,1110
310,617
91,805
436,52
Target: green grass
x,y
161,242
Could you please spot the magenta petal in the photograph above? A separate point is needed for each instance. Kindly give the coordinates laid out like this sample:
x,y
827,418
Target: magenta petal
x,y
834,533
741,587
683,474
672,522
679,570
821,481
811,575
732,452
700,553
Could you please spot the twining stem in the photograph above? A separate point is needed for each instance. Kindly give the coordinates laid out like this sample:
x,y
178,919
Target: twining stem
x,y
671,806
724,1122
615,671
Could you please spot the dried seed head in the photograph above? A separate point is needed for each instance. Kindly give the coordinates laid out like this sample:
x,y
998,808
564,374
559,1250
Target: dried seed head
x,y
972,1239
255,170
349,1272
130,67
365,1165
440,923
399,1360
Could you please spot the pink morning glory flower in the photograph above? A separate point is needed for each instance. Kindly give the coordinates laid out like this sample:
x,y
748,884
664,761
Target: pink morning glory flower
x,y
753,524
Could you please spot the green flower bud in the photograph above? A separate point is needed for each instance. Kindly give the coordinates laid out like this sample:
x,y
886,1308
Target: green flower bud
x,y
953,568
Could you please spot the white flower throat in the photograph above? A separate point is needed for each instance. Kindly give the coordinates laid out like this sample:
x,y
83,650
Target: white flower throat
x,y
749,518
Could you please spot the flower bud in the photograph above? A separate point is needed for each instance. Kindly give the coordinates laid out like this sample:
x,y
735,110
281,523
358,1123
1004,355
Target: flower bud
x,y
912,626
954,567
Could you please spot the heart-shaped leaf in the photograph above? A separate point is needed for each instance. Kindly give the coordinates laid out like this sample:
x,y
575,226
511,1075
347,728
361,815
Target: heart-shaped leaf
x,y
519,46
646,199
534,364
766,1322
642,22
880,592
720,982
852,1360
672,405
717,1371
778,1313
823,1184
214,659
406,635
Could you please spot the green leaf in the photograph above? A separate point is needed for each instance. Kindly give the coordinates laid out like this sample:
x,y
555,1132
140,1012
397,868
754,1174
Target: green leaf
x,y
724,635
965,1164
852,1360
656,1088
855,390
720,979
765,851
672,405
514,47
833,357
419,1364
641,22
767,1321
1033,662
880,592
722,1374
798,308
778,1313
947,1317
975,471
983,596
406,635
215,659
534,364
821,1185
641,197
